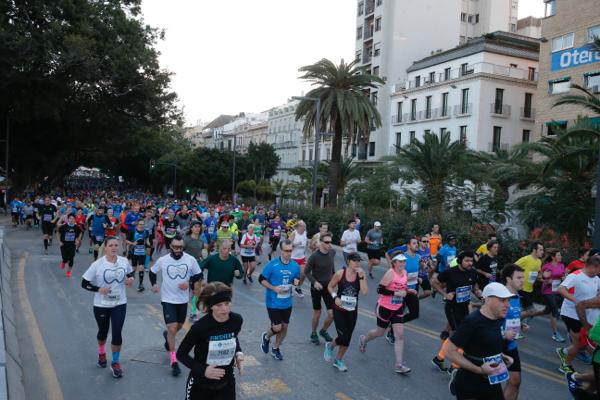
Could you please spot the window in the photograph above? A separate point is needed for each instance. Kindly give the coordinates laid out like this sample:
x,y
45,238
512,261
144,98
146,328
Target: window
x,y
428,107
463,134
417,81
559,86
464,68
444,112
555,127
531,74
371,149
374,97
398,140
470,18
447,73
527,112
303,154
379,2
550,8
562,42
310,155
593,32
431,77
464,101
359,31
513,27
442,131
361,7
353,154
376,71
358,54
526,135
413,110
514,65
377,51
476,18
427,131
496,138
399,111
229,145
412,135
377,24
463,17
498,101
592,79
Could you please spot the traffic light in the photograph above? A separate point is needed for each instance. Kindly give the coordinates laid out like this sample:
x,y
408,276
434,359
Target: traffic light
x,y
152,164
187,190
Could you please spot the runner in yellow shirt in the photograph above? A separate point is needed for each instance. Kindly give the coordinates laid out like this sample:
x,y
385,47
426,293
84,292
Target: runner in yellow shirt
x,y
531,264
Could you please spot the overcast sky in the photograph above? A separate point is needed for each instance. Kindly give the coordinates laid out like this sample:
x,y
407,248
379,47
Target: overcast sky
x,y
230,56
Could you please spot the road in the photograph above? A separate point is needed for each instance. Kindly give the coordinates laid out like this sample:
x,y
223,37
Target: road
x,y
57,340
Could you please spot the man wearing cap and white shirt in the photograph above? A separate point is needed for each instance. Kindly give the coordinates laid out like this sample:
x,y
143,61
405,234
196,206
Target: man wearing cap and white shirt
x,y
483,366
374,239
350,239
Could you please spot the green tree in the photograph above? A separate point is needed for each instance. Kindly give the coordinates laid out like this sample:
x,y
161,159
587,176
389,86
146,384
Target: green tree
x,y
349,171
346,110
306,179
375,191
262,161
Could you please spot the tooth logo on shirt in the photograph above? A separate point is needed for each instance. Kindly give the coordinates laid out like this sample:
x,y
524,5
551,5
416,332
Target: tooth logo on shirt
x,y
114,275
177,271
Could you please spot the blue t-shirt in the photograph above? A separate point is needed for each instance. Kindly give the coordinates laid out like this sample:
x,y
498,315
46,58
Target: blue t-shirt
x,y
15,206
210,223
131,218
97,223
446,255
283,275
412,270
513,319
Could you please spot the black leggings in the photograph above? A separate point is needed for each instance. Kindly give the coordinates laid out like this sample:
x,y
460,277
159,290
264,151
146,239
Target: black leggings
x,y
104,317
412,302
194,391
67,251
345,321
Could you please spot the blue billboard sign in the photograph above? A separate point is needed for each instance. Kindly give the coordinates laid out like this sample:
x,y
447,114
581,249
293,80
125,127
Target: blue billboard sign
x,y
574,58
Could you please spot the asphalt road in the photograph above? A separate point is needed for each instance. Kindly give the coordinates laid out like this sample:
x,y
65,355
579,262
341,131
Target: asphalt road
x,y
57,338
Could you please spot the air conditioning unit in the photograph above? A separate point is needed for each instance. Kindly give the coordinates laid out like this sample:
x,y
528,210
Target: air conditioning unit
x,y
596,89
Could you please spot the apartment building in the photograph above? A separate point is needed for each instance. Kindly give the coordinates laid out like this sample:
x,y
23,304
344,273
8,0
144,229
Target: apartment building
x,y
390,35
284,133
566,57
481,92
243,130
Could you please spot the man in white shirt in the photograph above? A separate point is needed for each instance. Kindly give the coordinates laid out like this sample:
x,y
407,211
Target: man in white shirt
x,y
350,239
179,271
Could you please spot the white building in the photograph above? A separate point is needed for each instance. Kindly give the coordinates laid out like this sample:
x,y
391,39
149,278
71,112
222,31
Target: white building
x,y
391,34
212,130
481,92
530,26
243,130
284,133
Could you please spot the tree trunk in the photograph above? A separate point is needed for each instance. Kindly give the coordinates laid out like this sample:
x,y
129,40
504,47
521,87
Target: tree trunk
x,y
334,165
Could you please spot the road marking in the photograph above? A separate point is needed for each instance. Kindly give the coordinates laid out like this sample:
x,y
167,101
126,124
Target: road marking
x,y
263,388
251,361
342,396
47,370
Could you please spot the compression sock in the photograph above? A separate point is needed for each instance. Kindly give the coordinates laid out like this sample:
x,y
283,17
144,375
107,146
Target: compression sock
x,y
442,353
146,261
46,244
194,308
141,274
115,356
102,348
173,357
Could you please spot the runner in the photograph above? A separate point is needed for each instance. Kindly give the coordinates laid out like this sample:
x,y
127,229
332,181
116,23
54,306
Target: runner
x,y
179,271
169,228
483,366
137,241
315,240
487,263
107,277
374,239
28,213
194,243
435,239
225,234
98,222
427,266
275,228
447,254
248,244
300,243
456,285
47,214
319,271
582,255
80,221
277,277
223,267
532,265
15,211
553,272
349,282
484,248
350,240
215,341
392,291
210,227
183,219
69,239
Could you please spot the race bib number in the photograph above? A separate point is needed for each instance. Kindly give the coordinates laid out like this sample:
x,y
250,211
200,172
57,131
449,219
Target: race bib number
x,y
170,232
70,237
513,324
500,377
110,299
397,300
211,229
349,302
285,293
139,250
99,238
412,279
220,352
532,277
47,217
276,232
15,209
555,285
449,259
463,294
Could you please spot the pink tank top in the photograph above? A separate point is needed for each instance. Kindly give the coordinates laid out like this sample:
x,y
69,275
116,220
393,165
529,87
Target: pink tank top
x,y
394,302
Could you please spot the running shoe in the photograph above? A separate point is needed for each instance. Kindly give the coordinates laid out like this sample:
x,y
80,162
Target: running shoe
x,y
340,365
102,360
68,274
584,357
444,335
90,250
390,337
116,370
574,386
314,338
451,385
562,354
362,346
245,281
558,338
62,265
175,370
276,354
328,353
401,369
565,369
371,275
167,348
299,292
192,317
439,364
45,251
264,343
325,335
250,279
141,288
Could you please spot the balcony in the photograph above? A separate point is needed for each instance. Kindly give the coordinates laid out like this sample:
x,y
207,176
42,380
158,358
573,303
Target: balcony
x,y
287,165
369,7
463,110
285,145
397,119
367,58
492,147
500,110
527,113
306,163
368,32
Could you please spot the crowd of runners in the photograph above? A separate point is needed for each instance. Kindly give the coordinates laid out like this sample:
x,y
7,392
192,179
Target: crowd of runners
x,y
199,249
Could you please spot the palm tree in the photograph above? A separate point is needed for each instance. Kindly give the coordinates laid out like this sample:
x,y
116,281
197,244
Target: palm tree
x,y
306,177
349,171
346,108
436,163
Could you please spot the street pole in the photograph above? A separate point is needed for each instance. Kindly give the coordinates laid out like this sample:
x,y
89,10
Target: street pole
x,y
233,174
174,180
596,236
6,166
316,153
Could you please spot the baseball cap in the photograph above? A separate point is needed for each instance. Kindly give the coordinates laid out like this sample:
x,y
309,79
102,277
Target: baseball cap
x,y
377,223
354,257
225,224
495,289
399,257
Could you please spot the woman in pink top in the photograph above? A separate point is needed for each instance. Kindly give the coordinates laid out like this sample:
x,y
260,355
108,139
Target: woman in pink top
x,y
390,310
553,272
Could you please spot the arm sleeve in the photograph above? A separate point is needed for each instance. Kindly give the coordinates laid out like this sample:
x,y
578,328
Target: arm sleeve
x,y
382,290
87,285
183,352
152,276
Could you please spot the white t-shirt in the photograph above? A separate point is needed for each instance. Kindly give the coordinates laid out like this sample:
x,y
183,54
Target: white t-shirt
x,y
299,244
175,272
351,238
103,273
583,288
248,251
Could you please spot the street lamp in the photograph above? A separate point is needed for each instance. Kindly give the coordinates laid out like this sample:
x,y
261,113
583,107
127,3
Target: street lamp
x,y
153,164
317,138
233,174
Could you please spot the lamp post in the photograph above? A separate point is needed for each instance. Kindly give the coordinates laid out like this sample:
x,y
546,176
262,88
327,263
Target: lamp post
x,y
233,174
175,166
317,139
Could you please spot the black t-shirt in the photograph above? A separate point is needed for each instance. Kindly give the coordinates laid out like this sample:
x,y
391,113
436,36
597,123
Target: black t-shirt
x,y
68,234
460,282
489,265
47,212
222,335
170,228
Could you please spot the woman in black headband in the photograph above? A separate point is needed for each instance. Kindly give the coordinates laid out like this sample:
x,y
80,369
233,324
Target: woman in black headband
x,y
214,338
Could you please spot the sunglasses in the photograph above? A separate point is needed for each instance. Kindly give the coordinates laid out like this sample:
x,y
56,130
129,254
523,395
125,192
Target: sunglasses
x,y
327,241
424,241
286,251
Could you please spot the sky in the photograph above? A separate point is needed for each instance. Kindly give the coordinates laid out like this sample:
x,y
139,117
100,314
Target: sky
x,y
232,56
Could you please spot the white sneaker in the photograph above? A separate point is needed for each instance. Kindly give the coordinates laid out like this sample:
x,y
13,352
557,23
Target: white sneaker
x,y
299,292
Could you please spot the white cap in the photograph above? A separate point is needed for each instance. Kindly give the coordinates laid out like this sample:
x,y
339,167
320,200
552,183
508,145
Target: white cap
x,y
399,257
377,223
225,224
495,289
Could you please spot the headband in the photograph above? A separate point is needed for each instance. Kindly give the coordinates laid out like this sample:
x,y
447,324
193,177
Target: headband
x,y
218,298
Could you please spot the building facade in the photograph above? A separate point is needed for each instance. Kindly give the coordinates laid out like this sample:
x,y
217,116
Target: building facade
x,y
243,130
566,57
390,35
481,92
284,133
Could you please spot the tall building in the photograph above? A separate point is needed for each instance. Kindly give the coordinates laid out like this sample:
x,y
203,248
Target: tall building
x,y
284,133
391,34
566,57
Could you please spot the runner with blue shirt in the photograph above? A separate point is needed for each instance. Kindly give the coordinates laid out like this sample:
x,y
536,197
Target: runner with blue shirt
x,y
98,222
